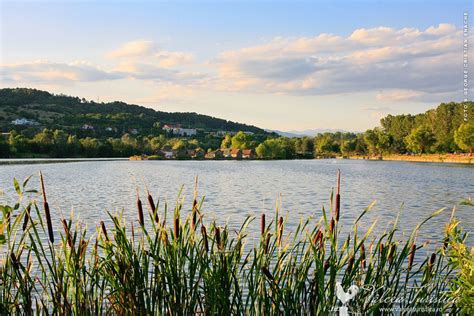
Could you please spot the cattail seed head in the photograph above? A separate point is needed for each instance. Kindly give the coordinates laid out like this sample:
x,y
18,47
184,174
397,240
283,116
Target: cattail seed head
x,y
412,256
46,211
267,243
391,253
350,264
104,230
27,217
141,219
362,256
204,238
337,206
326,265
331,226
381,249
176,227
432,261
217,236
262,224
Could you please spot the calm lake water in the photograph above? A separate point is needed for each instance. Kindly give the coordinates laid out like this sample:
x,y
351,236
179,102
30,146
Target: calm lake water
x,y
236,189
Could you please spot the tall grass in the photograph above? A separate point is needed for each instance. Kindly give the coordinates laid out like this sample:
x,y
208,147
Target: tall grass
x,y
196,267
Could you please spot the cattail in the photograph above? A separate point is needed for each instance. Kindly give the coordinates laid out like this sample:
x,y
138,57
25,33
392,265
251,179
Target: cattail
x,y
280,230
141,219
82,248
317,239
431,262
217,233
262,224
104,230
194,220
68,233
326,265
268,274
350,264
204,238
337,204
331,226
176,227
27,217
267,243
391,253
381,249
151,203
412,257
46,210
362,256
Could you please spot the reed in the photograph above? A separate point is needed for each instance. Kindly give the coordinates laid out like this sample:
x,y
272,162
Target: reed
x,y
195,267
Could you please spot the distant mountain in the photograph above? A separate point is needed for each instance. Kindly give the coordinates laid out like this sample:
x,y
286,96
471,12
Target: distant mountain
x,y
308,132
74,114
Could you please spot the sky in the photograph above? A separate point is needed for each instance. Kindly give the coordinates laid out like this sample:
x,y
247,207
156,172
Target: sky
x,y
282,65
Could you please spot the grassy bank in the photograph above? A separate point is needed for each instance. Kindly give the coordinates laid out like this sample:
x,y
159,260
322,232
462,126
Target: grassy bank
x,y
172,261
447,158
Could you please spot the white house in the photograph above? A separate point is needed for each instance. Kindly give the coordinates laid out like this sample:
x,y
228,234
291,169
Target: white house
x,y
24,121
178,130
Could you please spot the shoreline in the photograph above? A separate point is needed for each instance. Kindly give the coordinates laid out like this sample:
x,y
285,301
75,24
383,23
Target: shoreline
x,y
431,158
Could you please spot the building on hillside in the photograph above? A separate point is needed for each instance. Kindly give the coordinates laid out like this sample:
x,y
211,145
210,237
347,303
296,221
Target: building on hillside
x,y
179,131
236,153
216,154
87,127
133,131
248,154
24,121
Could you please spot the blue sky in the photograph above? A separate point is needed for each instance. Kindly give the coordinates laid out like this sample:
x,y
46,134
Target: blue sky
x,y
277,64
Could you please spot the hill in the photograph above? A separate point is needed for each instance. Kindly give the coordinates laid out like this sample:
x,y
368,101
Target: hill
x,y
71,114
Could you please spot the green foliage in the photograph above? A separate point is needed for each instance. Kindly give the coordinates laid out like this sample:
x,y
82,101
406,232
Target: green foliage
x,y
276,148
420,140
464,137
227,141
241,140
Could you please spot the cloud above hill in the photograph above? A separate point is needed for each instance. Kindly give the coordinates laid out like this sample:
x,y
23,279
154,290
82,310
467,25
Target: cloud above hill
x,y
394,65
402,63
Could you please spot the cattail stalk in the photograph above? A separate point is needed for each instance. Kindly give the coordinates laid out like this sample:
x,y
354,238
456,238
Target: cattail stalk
x,y
46,210
176,227
27,217
362,256
280,230
68,233
262,224
104,230
204,238
141,219
337,204
217,234
411,257
431,262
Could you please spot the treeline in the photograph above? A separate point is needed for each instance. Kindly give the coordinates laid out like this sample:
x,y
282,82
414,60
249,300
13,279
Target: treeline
x,y
440,130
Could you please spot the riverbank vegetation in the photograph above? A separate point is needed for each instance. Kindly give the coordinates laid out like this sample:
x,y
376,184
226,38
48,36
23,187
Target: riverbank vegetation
x,y
81,128
172,260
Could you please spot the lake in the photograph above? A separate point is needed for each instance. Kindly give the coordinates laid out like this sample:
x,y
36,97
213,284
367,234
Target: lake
x,y
236,189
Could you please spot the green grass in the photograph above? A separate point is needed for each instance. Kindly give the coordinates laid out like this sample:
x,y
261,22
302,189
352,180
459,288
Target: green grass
x,y
173,264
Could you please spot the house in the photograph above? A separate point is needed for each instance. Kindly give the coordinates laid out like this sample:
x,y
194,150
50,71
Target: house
x,y
87,127
226,152
216,154
111,129
248,154
179,131
167,154
190,153
236,153
24,121
133,131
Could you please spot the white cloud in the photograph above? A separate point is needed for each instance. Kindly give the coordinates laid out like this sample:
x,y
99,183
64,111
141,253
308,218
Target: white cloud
x,y
406,63
133,49
43,71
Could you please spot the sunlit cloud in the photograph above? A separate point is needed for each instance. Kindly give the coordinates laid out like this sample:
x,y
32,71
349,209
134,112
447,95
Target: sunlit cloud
x,y
407,63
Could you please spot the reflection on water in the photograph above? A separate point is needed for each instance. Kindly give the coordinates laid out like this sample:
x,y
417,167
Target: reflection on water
x,y
234,190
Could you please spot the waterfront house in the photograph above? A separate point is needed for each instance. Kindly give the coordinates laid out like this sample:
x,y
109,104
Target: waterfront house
x,y
248,154
236,153
216,154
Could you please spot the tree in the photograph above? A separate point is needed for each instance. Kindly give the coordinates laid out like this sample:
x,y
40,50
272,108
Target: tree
x,y
227,141
377,141
241,141
464,137
420,140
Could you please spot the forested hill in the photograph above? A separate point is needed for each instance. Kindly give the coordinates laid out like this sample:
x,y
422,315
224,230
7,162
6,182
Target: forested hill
x,y
71,113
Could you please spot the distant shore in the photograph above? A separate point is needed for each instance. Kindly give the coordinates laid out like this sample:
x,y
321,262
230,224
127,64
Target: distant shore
x,y
443,158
